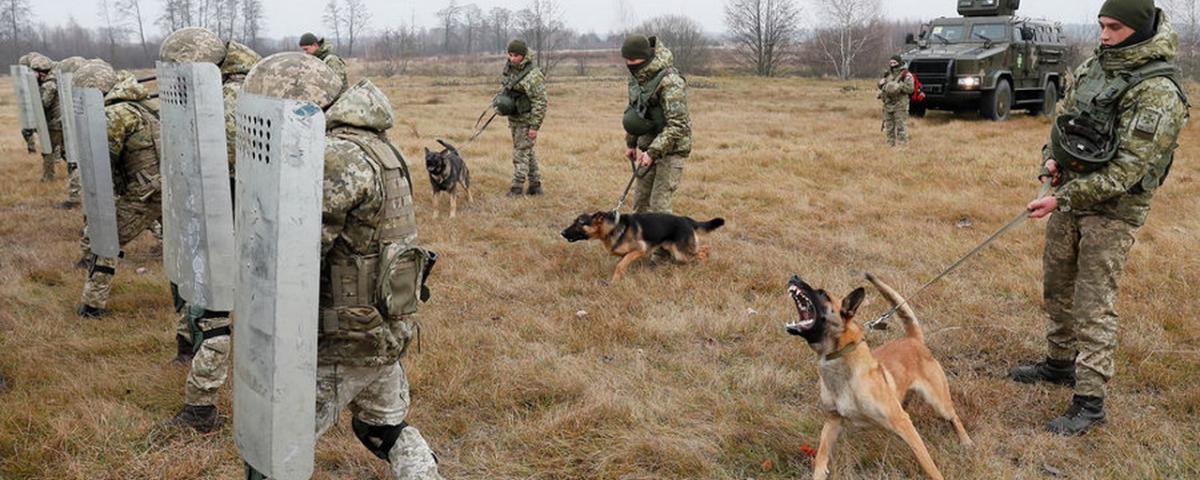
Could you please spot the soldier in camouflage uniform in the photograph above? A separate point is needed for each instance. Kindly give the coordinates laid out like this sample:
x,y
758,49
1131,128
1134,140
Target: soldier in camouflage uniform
x,y
895,90
523,100
368,221
658,133
74,188
323,50
43,66
208,361
1100,202
133,150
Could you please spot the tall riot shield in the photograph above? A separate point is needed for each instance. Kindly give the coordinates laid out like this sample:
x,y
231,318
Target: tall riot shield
x,y
39,112
20,89
280,166
95,172
198,243
66,103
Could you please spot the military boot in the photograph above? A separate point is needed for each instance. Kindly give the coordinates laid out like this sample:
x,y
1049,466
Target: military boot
x,y
202,418
515,191
88,311
1061,372
1084,413
535,189
184,351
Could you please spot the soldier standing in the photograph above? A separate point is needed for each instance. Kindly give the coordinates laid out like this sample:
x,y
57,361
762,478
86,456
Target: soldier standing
x,y
658,128
895,90
323,50
133,133
368,221
523,100
1103,195
48,84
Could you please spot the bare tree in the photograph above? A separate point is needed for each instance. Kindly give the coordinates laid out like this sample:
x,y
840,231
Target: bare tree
x,y
850,26
252,19
541,22
15,18
354,20
112,27
449,20
684,36
473,23
333,19
500,22
765,31
1185,16
226,17
626,15
133,8
176,14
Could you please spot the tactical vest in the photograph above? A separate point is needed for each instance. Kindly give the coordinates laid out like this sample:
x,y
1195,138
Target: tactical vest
x,y
511,102
140,173
1092,117
645,116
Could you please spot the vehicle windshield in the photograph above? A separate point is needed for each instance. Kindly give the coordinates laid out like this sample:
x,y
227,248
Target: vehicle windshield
x,y
947,33
991,31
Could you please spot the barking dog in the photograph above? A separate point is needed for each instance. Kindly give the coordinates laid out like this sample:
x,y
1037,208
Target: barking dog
x,y
447,172
634,235
866,386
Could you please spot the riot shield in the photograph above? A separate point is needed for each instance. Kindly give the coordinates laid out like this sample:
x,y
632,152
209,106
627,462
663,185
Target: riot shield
x,y
280,167
66,103
95,172
24,113
38,112
198,249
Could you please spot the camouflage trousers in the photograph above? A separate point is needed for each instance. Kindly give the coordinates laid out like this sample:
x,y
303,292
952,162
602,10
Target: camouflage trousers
x,y
134,216
895,126
56,154
210,364
656,188
28,134
525,163
1082,264
74,187
377,396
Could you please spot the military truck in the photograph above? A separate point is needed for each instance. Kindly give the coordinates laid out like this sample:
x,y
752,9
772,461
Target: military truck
x,y
989,60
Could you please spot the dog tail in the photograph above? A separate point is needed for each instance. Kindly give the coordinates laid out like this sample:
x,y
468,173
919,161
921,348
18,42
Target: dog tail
x,y
447,145
912,328
705,227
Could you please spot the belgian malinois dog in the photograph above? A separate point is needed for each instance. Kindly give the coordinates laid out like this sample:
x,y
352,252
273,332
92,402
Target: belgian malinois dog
x,y
632,236
866,386
447,172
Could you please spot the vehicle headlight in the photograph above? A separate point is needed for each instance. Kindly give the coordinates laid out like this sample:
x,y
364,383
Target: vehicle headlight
x,y
968,83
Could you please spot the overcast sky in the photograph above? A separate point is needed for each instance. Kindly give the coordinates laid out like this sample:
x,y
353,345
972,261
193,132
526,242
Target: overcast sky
x,y
293,17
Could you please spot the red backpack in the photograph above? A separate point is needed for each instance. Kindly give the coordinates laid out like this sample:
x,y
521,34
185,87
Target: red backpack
x,y
918,94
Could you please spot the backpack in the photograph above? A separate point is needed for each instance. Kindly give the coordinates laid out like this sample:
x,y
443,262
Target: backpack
x,y
918,94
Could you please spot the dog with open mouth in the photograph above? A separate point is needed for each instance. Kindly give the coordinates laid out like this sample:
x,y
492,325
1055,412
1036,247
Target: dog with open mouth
x,y
448,174
632,236
868,386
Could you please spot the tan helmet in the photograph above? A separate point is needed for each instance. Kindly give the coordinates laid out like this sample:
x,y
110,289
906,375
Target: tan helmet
x,y
95,75
239,59
71,64
192,45
24,60
40,62
296,76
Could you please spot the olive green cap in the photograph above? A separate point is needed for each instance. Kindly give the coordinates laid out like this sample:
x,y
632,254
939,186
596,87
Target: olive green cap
x,y
308,39
518,47
1135,14
637,47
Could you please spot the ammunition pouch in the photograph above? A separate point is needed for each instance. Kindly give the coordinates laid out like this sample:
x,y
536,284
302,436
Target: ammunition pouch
x,y
402,275
352,281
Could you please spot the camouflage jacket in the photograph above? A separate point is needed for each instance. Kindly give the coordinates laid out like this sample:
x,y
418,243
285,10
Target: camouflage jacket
x,y
49,91
133,131
352,219
1150,118
334,62
533,86
896,90
676,138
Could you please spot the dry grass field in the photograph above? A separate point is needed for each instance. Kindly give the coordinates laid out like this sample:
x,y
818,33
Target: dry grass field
x,y
677,372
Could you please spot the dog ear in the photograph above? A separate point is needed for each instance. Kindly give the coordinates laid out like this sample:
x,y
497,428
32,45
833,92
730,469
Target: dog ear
x,y
427,152
851,303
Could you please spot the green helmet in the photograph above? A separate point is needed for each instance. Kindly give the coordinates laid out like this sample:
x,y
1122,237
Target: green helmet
x,y
95,75
1079,146
295,76
192,45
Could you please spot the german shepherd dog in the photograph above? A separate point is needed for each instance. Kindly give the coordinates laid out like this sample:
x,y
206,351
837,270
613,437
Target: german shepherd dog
x,y
447,171
632,236
866,386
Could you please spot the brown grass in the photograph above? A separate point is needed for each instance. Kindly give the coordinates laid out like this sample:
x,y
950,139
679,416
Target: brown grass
x,y
676,372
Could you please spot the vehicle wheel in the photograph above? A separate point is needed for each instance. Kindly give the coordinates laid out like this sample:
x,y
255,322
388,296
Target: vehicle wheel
x,y
1049,101
916,109
997,103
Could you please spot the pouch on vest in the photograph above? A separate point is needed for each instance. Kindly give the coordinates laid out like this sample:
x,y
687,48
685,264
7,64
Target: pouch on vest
x,y
641,117
402,274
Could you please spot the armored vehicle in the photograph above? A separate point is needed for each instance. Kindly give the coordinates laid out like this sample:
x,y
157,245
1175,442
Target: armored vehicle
x,y
989,60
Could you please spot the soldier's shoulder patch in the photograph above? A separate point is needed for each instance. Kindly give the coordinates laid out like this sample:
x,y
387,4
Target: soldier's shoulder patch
x,y
1147,121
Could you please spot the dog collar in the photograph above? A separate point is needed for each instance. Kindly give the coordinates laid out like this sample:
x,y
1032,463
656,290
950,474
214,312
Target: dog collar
x,y
618,230
844,350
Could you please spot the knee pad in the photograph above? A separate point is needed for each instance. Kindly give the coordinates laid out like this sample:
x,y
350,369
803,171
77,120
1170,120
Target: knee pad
x,y
379,440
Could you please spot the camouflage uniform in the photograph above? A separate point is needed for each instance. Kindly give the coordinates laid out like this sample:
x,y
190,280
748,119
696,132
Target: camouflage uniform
x,y
895,91
325,54
532,86
1089,237
133,148
669,148
48,91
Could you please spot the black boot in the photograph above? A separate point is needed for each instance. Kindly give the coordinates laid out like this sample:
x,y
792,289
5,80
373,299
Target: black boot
x,y
515,191
202,418
1061,372
184,352
88,311
1084,413
535,188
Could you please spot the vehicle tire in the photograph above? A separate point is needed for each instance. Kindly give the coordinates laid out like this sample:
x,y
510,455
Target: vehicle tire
x,y
997,103
1049,101
916,109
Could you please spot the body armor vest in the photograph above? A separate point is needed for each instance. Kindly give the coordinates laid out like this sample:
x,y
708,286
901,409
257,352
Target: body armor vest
x,y
140,172
644,115
511,102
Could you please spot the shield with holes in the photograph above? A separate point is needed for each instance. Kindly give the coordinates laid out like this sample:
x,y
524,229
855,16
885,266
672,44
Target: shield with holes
x,y
280,166
66,103
38,111
198,248
95,171
21,90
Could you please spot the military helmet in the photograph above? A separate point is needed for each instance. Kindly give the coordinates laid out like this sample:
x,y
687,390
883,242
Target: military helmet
x,y
1080,146
24,59
238,59
192,45
296,76
95,75
40,62
71,64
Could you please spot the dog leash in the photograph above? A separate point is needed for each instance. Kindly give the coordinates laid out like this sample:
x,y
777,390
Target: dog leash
x,y
1019,219
478,129
632,178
